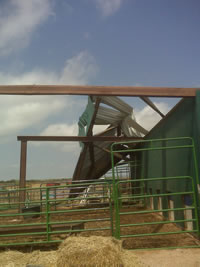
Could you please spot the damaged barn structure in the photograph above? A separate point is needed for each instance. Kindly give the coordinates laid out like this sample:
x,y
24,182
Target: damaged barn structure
x,y
139,186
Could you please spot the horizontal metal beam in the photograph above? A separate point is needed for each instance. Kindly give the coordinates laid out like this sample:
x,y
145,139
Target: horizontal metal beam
x,y
96,90
77,138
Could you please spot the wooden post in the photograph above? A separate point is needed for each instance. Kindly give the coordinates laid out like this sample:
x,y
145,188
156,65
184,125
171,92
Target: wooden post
x,y
22,178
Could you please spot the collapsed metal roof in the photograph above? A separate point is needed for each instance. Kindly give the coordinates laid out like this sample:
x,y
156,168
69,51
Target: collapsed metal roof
x,y
142,92
95,158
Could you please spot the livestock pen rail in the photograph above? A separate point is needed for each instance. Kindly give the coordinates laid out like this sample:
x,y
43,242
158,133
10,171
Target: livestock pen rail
x,y
158,217
38,222
93,212
170,197
9,195
140,205
8,198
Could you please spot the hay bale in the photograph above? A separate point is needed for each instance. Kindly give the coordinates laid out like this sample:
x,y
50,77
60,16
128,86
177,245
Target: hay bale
x,y
18,259
43,258
89,251
76,252
13,258
93,251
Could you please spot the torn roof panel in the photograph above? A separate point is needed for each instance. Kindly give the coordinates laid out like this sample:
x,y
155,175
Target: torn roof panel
x,y
95,159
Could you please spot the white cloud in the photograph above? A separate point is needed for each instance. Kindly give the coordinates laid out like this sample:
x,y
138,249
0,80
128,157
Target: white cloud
x,y
148,118
108,7
77,70
20,112
64,129
18,20
61,129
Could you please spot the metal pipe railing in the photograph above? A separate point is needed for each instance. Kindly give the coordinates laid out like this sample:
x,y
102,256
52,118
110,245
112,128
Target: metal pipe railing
x,y
178,143
49,221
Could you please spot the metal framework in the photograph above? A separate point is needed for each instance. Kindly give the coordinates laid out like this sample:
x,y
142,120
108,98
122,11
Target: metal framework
x,y
92,90
85,139
142,92
103,215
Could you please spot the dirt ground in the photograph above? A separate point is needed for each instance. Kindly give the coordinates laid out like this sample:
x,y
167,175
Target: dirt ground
x,y
170,258
149,258
157,241
152,258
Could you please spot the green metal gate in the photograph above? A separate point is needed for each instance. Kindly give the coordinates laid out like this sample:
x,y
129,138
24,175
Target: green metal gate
x,y
164,208
48,218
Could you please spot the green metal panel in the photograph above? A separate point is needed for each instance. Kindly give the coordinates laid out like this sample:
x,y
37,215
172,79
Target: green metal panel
x,y
196,127
177,124
85,119
183,121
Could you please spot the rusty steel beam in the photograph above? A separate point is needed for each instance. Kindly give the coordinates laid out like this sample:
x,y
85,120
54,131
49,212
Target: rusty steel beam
x,y
152,105
86,139
80,162
87,146
90,129
22,178
90,133
97,90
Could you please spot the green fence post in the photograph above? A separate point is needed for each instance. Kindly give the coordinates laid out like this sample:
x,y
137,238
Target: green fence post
x,y
115,198
47,214
143,196
117,211
9,206
195,189
111,209
142,184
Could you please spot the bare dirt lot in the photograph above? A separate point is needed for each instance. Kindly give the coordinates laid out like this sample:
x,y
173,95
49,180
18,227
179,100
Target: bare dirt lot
x,y
170,258
155,241
149,258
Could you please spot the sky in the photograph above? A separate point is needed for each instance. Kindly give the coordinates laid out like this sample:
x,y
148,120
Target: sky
x,y
95,42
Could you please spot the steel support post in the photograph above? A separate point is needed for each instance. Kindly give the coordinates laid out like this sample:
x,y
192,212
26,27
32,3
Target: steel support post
x,y
22,178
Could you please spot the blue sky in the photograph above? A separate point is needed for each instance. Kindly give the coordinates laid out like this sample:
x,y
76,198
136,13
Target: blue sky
x,y
110,42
